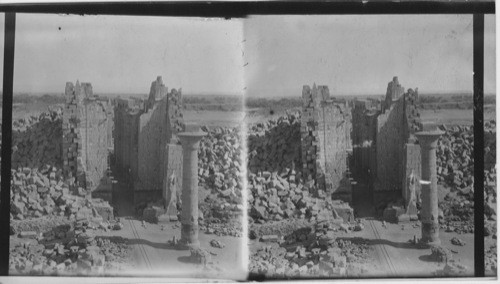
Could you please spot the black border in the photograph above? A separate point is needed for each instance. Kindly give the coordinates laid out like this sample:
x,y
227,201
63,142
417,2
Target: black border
x,y
8,83
229,9
478,116
241,10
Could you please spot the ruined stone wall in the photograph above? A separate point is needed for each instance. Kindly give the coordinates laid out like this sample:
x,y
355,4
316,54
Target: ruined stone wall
x,y
152,126
85,136
333,141
143,131
364,125
309,132
394,92
126,138
325,136
390,142
158,126
397,154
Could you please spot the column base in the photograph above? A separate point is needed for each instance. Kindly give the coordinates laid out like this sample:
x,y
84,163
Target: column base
x,y
430,234
429,244
183,245
189,236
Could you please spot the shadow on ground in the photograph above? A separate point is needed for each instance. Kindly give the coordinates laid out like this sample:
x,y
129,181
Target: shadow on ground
x,y
372,242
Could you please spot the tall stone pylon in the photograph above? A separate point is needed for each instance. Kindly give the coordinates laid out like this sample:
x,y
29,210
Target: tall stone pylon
x,y
429,211
190,140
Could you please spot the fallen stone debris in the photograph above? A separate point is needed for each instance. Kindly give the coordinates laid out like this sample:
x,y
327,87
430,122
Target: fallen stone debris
x,y
490,257
310,252
37,140
53,221
217,244
458,242
68,249
220,167
36,193
274,144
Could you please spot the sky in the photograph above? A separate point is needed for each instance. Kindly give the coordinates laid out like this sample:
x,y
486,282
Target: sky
x,y
124,54
357,55
263,55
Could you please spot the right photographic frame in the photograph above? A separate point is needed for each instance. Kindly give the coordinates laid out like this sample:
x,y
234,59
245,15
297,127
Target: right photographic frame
x,y
360,137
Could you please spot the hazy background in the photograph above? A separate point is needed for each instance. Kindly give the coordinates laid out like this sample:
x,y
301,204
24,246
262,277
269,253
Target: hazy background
x,y
124,54
355,54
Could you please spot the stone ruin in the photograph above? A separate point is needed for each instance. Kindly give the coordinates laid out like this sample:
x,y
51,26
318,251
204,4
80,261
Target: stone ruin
x,y
325,139
146,147
137,136
385,148
87,138
380,135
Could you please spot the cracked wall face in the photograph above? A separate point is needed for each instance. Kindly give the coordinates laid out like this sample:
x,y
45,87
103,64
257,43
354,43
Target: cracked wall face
x,y
86,124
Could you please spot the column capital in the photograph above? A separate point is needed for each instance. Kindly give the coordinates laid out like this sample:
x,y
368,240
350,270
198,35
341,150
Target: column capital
x,y
190,139
428,139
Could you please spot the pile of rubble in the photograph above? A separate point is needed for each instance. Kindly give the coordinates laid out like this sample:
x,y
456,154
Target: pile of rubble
x,y
67,249
219,217
311,252
455,153
36,193
444,255
490,258
457,212
276,196
275,144
220,163
455,162
37,140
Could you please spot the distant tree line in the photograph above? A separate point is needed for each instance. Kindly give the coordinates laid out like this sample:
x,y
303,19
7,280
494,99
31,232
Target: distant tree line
x,y
286,103
50,99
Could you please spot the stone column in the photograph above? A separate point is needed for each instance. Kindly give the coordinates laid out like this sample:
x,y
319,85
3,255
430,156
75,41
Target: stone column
x,y
189,216
429,211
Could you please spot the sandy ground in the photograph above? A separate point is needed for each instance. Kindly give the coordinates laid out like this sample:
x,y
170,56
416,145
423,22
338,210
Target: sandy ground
x,y
153,257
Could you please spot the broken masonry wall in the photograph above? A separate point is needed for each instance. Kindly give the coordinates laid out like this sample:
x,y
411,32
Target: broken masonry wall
x,y
156,93
390,142
411,153
96,144
308,129
85,136
397,153
412,115
364,125
157,127
325,135
71,135
152,132
143,129
394,92
126,138
333,140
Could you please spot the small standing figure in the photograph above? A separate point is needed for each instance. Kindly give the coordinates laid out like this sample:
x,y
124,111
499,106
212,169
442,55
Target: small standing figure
x,y
172,209
411,205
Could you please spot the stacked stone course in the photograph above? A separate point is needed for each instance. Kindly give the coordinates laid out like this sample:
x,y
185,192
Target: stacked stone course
x,y
325,135
85,136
